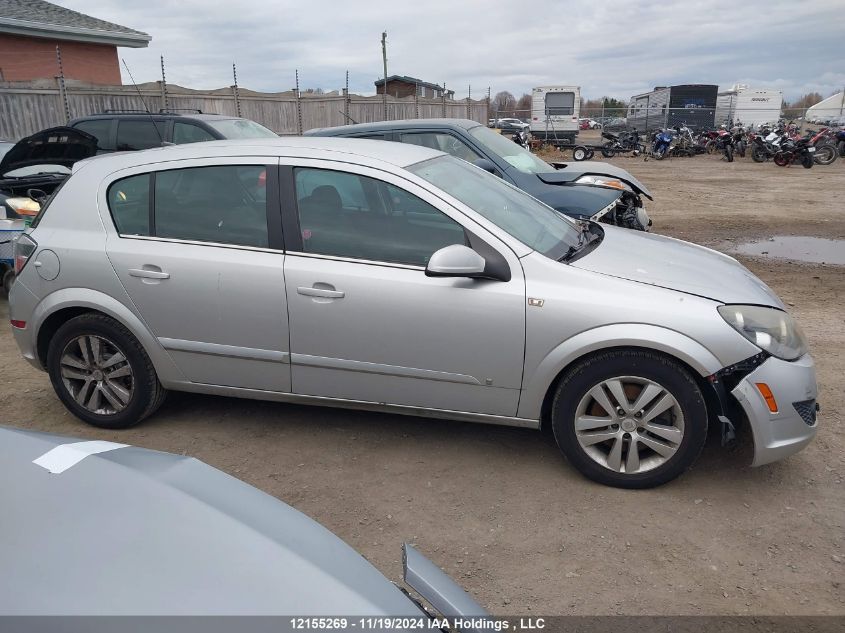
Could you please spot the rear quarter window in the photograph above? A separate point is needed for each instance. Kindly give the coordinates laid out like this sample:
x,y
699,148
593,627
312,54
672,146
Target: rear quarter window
x,y
129,204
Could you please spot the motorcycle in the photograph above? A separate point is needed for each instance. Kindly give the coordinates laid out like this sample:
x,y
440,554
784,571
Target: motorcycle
x,y
795,151
685,144
621,143
661,144
765,144
520,138
825,143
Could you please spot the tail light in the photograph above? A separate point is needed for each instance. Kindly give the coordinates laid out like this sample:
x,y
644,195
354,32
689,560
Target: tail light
x,y
24,248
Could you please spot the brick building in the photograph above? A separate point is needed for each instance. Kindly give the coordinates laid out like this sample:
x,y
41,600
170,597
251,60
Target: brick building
x,y
30,30
402,86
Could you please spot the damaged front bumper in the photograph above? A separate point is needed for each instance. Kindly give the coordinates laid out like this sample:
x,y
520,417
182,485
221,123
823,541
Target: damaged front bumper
x,y
784,422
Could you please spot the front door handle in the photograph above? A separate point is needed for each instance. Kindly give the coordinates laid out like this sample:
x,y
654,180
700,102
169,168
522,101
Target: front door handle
x,y
145,273
325,293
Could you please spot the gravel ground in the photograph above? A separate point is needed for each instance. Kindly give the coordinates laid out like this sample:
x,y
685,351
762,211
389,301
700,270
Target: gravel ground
x,y
500,509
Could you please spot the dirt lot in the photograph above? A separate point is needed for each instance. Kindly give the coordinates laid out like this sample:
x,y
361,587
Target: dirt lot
x,y
502,511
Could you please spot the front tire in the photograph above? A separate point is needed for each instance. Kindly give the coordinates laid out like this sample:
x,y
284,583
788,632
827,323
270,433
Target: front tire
x,y
629,418
758,154
102,374
807,161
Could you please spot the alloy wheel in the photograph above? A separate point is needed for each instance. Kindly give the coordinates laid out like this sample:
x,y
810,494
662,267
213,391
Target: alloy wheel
x,y
97,374
629,424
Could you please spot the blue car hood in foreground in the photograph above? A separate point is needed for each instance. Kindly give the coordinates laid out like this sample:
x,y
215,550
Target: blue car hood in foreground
x,y
669,263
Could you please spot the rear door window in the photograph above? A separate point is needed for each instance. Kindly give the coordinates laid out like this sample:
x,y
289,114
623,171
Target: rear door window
x,y
101,130
226,204
139,134
443,143
190,133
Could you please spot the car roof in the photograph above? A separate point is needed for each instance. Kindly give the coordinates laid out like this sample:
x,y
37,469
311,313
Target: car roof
x,y
358,151
404,124
199,116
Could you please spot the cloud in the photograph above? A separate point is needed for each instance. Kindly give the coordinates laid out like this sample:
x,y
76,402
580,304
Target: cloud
x,y
613,48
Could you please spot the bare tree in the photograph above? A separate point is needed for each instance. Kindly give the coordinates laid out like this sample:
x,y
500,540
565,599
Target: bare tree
x,y
523,106
504,104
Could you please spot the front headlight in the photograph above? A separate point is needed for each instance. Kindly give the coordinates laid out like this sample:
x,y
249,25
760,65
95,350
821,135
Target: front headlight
x,y
770,329
601,181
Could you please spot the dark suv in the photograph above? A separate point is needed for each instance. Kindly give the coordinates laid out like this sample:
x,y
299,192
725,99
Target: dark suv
x,y
119,131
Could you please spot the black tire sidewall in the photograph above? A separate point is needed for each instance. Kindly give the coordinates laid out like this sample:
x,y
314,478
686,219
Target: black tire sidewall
x,y
145,380
662,370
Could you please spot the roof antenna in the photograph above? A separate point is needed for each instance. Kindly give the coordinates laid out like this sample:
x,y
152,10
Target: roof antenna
x,y
146,109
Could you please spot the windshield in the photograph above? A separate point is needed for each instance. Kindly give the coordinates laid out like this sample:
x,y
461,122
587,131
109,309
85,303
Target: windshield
x,y
241,128
515,155
514,211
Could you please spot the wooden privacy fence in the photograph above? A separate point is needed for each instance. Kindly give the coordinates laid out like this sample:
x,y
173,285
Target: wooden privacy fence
x,y
26,108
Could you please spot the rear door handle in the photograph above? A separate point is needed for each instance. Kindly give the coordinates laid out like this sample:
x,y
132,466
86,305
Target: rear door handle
x,y
148,274
320,292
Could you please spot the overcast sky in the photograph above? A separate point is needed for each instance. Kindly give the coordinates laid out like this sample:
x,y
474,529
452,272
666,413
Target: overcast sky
x,y
607,47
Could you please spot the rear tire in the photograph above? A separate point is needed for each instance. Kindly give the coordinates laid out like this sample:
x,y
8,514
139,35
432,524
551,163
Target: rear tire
x,y
807,161
729,154
657,439
825,154
758,154
102,374
8,280
607,150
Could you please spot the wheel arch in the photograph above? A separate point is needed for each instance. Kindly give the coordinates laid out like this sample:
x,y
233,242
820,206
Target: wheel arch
x,y
540,387
63,305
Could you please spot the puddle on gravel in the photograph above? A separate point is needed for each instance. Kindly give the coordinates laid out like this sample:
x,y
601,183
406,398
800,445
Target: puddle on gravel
x,y
816,250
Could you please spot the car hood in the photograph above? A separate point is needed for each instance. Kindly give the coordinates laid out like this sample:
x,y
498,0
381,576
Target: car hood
x,y
131,531
54,146
568,172
669,263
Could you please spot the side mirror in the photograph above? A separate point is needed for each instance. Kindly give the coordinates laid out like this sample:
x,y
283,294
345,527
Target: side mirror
x,y
456,260
486,165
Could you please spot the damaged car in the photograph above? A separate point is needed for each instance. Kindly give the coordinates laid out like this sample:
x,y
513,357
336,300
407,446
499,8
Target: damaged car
x,y
34,167
584,190
392,277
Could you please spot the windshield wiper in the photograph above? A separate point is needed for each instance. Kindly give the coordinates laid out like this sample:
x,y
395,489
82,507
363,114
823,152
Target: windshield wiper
x,y
570,253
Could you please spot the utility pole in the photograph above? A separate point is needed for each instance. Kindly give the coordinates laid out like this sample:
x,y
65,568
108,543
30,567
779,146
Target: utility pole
x,y
384,59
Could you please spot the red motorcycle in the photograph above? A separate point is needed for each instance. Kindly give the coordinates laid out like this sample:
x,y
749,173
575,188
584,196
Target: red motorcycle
x,y
825,143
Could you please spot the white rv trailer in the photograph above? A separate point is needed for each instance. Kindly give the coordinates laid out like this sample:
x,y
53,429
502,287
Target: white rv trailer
x,y
554,113
749,106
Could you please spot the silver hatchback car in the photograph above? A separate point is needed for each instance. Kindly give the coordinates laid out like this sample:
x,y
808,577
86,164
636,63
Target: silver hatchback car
x,y
392,277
